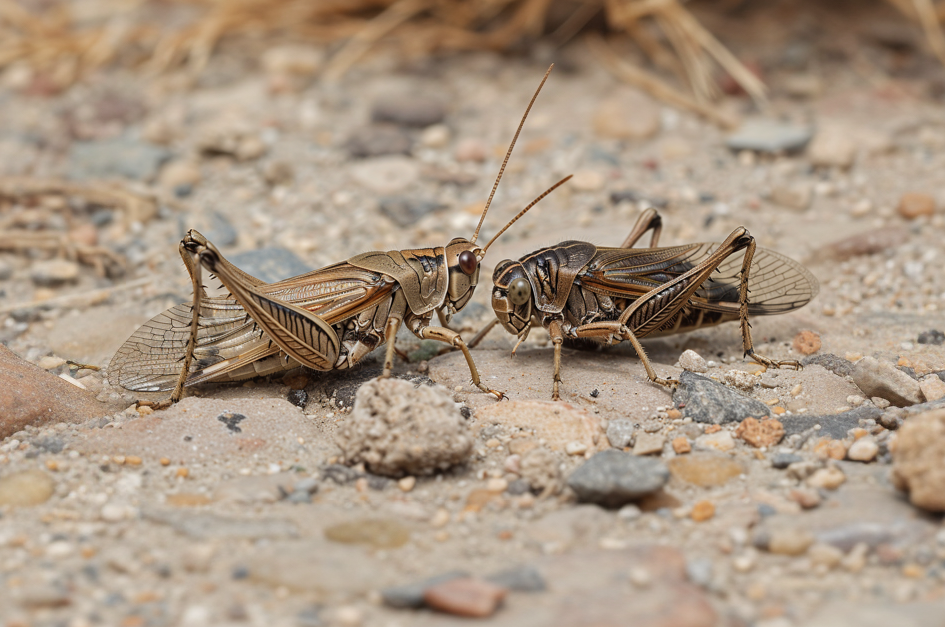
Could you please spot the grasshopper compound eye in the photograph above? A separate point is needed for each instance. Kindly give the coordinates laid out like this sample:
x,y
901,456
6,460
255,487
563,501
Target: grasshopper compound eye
x,y
519,291
467,262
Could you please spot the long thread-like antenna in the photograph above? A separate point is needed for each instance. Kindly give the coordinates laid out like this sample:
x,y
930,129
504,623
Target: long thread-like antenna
x,y
508,154
523,211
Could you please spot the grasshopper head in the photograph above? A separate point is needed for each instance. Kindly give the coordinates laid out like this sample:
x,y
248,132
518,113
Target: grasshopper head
x,y
462,260
512,296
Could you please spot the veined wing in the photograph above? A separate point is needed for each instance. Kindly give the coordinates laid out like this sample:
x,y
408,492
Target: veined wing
x,y
776,283
227,339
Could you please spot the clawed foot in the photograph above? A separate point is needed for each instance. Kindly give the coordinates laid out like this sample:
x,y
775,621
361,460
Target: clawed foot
x,y
499,395
155,405
771,363
666,383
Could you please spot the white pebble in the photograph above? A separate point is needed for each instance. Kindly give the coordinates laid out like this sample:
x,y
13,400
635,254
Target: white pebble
x,y
692,361
575,448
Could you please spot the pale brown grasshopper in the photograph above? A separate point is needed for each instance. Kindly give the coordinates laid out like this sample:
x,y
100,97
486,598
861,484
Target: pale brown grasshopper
x,y
327,319
577,290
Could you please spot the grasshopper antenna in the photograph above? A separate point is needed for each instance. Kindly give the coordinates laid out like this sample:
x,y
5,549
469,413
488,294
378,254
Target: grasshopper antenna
x,y
525,210
509,154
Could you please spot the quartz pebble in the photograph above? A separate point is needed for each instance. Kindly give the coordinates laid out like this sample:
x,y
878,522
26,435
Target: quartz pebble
x,y
720,441
863,450
829,478
789,541
465,597
693,362
705,469
648,444
932,388
620,432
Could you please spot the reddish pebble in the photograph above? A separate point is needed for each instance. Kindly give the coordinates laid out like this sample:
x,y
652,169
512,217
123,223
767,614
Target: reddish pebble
x,y
702,511
913,205
465,597
807,342
681,445
713,429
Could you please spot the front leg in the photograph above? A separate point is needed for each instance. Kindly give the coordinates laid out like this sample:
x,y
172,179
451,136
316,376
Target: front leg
x,y
420,328
609,331
743,316
557,338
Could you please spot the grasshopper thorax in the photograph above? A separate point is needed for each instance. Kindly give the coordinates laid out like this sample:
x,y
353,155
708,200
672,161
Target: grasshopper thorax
x,y
462,262
512,296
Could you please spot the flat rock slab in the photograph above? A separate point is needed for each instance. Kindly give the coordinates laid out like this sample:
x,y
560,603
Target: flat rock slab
x,y
708,401
31,396
190,431
835,426
623,390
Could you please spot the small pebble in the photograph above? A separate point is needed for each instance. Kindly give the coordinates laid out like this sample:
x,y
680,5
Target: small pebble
x,y
681,445
702,511
407,483
719,441
806,342
471,149
693,362
863,450
575,448
465,597
913,205
790,541
648,444
805,497
829,478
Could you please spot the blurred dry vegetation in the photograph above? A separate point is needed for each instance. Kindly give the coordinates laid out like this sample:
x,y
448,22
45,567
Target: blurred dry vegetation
x,y
661,46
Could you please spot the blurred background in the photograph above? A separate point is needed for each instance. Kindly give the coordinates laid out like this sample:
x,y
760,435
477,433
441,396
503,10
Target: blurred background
x,y
297,133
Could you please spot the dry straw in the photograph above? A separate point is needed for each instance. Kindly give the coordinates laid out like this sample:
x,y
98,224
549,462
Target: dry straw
x,y
69,39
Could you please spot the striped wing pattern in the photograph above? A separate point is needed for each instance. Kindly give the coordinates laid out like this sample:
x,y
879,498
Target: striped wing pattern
x,y
227,338
776,283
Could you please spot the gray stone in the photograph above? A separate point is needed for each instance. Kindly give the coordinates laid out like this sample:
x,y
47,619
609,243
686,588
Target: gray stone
x,y
411,594
406,211
704,400
835,425
114,158
769,136
520,579
54,272
620,432
409,110
932,336
50,444
882,379
833,363
270,264
375,141
340,474
613,478
207,526
783,460
699,571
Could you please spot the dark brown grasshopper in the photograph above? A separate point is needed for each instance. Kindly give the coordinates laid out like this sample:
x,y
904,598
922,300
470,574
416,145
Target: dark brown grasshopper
x,y
577,290
327,319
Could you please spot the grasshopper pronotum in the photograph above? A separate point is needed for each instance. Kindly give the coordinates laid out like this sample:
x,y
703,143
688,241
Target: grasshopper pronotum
x,y
327,319
577,290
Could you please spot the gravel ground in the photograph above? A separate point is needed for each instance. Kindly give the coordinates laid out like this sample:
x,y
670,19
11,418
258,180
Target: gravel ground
x,y
236,507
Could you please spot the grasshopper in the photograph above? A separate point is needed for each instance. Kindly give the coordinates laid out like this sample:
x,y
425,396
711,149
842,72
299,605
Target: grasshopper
x,y
327,319
577,290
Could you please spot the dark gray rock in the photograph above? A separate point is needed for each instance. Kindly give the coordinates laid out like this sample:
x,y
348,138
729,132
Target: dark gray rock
x,y
270,264
406,211
521,579
340,474
706,401
116,158
50,444
620,432
613,478
829,361
769,136
834,425
411,594
374,141
932,336
409,110
783,460
297,397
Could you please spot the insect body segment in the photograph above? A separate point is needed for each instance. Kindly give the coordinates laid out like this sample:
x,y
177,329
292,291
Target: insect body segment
x,y
608,295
